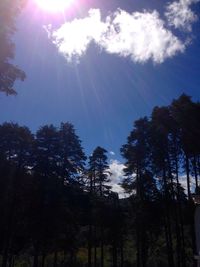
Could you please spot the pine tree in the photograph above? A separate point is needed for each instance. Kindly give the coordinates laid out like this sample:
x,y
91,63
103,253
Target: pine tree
x,y
140,181
98,179
71,155
99,171
15,150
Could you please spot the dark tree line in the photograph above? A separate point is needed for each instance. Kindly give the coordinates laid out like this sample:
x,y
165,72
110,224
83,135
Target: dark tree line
x,y
48,198
160,151
57,208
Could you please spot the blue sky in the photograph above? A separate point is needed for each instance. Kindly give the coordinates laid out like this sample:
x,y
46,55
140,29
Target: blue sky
x,y
103,89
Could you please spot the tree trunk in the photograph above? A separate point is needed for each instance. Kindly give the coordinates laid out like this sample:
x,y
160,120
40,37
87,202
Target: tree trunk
x,y
55,259
169,244
102,247
168,233
192,230
180,216
5,258
144,248
178,241
198,165
114,253
195,173
43,259
95,247
13,261
138,240
65,258
177,228
11,257
121,253
72,258
35,259
188,175
90,246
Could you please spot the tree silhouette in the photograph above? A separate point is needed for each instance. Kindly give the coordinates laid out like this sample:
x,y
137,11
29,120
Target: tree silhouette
x,y
15,149
55,212
98,169
98,175
72,158
9,72
140,180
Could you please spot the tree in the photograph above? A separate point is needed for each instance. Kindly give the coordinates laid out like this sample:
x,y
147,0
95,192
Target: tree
x,y
160,126
98,170
140,181
137,155
186,114
46,209
71,155
15,149
98,184
182,112
47,151
9,73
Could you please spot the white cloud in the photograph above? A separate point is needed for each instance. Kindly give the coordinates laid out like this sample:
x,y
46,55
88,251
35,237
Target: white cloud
x,y
73,38
117,174
116,168
112,153
142,36
180,15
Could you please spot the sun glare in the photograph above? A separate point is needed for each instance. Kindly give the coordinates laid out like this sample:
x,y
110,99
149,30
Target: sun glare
x,y
53,5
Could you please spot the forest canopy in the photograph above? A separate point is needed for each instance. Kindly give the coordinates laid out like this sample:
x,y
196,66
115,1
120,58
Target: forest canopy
x,y
57,208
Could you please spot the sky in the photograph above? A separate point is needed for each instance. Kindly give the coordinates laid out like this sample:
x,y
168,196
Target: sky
x,y
103,64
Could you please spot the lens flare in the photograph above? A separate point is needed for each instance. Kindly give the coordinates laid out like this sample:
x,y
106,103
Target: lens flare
x,y
53,5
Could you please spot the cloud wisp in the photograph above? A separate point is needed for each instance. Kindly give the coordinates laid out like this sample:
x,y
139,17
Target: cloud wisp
x,y
141,36
112,153
180,15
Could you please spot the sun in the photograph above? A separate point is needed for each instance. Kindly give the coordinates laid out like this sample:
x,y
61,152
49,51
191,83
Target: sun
x,y
53,5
